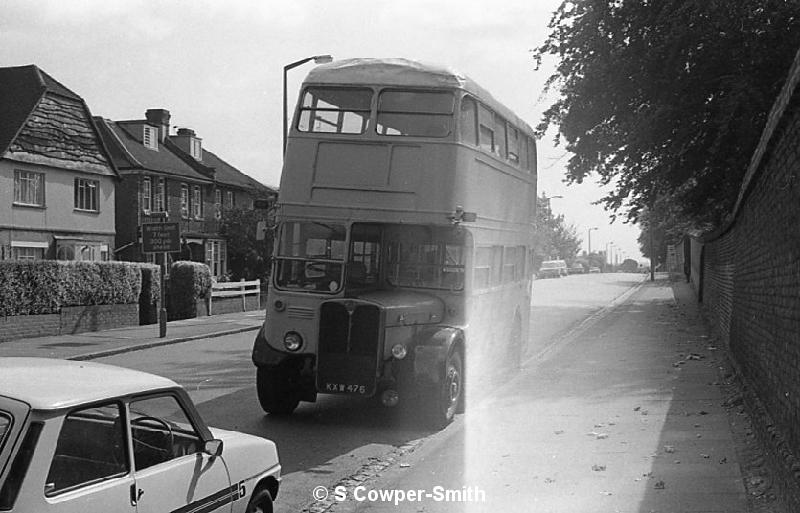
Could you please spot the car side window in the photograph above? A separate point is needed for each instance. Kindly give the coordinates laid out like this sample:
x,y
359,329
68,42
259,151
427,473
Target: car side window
x,y
90,449
161,431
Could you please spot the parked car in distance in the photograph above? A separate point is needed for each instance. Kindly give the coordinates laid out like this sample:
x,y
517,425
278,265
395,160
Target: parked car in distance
x,y
552,269
594,270
88,437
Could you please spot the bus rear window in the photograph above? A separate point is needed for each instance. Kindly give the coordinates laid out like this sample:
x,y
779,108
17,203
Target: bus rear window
x,y
415,113
335,110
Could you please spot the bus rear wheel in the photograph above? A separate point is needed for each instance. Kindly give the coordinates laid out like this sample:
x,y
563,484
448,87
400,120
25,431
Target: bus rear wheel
x,y
275,393
449,397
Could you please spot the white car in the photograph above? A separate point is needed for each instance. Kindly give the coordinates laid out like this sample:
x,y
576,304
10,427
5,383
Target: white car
x,y
85,437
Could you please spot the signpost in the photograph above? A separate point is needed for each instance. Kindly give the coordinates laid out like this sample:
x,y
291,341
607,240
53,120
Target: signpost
x,y
161,238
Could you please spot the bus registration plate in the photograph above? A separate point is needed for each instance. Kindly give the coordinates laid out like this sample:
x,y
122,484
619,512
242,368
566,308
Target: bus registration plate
x,y
345,388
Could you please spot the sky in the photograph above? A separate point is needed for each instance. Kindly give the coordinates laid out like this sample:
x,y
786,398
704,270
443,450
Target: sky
x,y
217,66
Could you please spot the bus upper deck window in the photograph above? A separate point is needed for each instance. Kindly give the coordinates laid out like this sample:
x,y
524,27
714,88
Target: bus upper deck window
x,y
335,110
469,121
501,144
513,145
486,129
415,113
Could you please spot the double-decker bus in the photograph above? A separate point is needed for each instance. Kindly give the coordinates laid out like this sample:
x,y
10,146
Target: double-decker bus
x,y
402,261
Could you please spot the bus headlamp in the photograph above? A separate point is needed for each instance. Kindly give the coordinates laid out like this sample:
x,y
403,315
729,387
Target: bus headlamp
x,y
399,351
292,341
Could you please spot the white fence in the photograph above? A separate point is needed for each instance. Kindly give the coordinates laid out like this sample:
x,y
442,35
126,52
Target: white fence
x,y
236,289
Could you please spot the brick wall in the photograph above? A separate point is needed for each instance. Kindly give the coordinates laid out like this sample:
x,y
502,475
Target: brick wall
x,y
79,319
26,326
750,283
73,319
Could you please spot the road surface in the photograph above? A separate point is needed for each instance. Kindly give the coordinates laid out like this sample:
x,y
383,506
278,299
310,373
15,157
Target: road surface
x,y
338,439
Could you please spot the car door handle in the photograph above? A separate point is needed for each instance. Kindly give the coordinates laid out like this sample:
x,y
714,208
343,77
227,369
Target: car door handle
x,y
136,494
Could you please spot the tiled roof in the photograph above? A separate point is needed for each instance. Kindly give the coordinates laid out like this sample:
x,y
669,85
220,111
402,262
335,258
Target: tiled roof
x,y
229,175
124,140
43,122
21,89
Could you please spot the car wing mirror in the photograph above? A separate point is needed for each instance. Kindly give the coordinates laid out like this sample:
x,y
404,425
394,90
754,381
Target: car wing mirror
x,y
213,447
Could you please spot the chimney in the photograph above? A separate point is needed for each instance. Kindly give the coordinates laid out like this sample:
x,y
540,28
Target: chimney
x,y
160,118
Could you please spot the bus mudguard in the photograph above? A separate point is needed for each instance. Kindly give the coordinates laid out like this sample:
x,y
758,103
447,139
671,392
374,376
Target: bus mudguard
x,y
431,352
263,354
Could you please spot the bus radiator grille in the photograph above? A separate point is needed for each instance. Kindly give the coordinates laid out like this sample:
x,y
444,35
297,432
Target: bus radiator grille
x,y
348,348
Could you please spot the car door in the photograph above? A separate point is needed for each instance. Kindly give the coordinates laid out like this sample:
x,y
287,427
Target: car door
x,y
172,472
89,469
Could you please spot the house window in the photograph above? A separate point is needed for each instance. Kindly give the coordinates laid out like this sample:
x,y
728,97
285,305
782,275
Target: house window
x,y
85,251
218,204
197,202
196,149
29,188
229,199
161,195
86,194
184,201
147,194
215,257
28,250
150,137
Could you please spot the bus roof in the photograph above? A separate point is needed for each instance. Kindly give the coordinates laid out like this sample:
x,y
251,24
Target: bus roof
x,y
405,72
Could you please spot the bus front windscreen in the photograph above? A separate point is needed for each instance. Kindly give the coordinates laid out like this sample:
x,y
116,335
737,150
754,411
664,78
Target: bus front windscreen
x,y
310,256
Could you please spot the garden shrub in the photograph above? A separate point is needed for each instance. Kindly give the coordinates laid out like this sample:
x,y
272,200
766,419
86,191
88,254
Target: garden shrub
x,y
44,286
188,283
151,293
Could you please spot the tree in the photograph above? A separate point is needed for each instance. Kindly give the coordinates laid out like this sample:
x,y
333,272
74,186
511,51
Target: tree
x,y
667,223
248,257
667,97
555,239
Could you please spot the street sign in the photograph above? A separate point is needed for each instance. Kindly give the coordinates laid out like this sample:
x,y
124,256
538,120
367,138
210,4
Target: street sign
x,y
161,237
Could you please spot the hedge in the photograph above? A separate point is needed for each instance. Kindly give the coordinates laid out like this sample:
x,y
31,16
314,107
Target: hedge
x,y
188,283
151,293
44,286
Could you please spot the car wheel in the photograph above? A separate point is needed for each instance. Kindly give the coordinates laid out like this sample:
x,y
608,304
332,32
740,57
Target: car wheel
x,y
275,392
449,397
260,502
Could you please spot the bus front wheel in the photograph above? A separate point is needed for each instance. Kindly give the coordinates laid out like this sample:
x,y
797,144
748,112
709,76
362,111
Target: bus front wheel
x,y
448,399
275,392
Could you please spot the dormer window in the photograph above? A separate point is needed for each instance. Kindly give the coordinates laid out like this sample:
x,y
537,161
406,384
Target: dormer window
x,y
196,149
150,137
186,140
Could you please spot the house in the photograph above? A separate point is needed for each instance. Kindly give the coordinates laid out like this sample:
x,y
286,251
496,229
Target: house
x,y
57,181
173,178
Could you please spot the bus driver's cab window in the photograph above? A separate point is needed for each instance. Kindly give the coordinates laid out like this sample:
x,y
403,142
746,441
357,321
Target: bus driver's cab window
x,y
310,256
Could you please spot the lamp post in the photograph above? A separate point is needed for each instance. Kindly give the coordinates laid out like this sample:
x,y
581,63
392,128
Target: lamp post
x,y
318,59
589,232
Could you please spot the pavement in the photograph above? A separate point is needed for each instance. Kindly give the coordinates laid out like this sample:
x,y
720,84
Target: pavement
x,y
629,413
97,344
